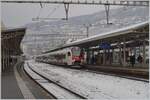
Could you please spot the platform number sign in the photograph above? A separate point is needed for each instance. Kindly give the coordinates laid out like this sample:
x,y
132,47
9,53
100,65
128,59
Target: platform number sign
x,y
105,45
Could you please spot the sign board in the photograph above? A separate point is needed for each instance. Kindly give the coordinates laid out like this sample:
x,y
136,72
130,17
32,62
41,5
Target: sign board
x,y
105,45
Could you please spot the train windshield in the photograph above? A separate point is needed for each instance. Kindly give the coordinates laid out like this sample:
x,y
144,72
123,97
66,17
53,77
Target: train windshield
x,y
76,51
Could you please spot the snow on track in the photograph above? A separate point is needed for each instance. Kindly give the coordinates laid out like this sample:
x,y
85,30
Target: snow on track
x,y
50,87
94,85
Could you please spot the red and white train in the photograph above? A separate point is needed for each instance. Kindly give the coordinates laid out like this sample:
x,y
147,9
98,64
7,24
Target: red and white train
x,y
71,56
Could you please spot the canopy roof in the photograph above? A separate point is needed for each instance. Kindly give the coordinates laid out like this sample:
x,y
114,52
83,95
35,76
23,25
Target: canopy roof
x,y
130,33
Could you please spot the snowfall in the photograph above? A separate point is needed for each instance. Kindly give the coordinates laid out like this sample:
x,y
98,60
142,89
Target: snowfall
x,y
92,85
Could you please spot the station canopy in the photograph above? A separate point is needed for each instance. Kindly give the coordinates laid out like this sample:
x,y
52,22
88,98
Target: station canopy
x,y
11,39
134,32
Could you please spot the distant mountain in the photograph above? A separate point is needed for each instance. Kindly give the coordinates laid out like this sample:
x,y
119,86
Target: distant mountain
x,y
120,17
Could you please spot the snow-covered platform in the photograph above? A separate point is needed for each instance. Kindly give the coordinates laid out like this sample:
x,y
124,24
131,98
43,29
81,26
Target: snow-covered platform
x,y
138,72
92,85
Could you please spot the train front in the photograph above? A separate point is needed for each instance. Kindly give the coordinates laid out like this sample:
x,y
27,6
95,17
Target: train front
x,y
77,56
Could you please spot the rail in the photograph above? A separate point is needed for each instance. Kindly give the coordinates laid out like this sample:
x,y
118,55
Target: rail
x,y
54,82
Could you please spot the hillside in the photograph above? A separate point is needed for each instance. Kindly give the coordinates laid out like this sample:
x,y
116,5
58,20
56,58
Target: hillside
x,y
120,17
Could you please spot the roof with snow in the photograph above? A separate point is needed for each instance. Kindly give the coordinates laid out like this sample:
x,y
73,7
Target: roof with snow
x,y
140,30
11,39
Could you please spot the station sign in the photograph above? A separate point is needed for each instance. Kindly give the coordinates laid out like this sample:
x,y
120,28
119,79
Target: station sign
x,y
105,45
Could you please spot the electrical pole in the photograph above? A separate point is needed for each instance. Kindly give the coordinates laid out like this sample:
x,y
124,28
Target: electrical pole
x,y
66,5
107,7
87,29
107,13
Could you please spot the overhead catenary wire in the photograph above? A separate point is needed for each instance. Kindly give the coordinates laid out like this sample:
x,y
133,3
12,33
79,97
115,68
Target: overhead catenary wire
x,y
39,13
47,17
53,10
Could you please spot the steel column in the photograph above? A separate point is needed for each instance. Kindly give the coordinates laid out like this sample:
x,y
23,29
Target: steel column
x,y
104,56
120,58
124,52
144,54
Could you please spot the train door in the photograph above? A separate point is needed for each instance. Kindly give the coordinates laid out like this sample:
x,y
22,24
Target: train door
x,y
69,58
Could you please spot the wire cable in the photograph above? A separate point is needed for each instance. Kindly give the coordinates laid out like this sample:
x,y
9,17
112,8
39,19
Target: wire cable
x,y
53,10
39,13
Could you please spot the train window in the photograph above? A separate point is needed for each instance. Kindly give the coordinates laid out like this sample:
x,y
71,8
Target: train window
x,y
76,51
69,54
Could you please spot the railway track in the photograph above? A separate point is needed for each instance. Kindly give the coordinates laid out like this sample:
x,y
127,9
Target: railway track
x,y
104,73
57,85
38,91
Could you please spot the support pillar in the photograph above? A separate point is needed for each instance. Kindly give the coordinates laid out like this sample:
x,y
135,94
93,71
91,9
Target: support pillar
x,y
7,58
120,59
87,57
124,52
104,56
92,57
112,56
109,56
6,55
2,58
144,54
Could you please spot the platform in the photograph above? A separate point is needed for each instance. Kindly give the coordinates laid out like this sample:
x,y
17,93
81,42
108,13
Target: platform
x,y
10,88
131,71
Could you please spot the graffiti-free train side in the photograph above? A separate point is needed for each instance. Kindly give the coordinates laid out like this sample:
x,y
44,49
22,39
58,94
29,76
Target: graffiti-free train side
x,y
71,56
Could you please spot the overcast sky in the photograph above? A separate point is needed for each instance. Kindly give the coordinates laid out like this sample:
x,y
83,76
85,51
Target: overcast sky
x,y
14,15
